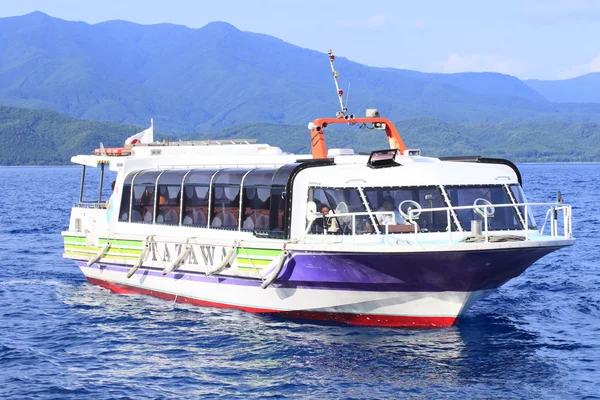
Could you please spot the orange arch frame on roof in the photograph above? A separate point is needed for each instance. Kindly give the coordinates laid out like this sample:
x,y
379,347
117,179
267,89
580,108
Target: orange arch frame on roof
x,y
319,147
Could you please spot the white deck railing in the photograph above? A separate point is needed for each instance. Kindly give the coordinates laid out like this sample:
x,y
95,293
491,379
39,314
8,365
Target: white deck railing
x,y
551,217
90,204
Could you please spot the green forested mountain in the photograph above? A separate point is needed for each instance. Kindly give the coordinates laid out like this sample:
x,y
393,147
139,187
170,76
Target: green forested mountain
x,y
544,141
30,137
34,137
215,77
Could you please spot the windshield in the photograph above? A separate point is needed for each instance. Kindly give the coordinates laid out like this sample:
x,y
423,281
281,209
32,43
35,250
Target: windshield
x,y
519,196
401,200
339,201
484,196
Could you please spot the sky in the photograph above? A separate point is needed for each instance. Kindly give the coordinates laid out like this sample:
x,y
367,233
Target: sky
x,y
530,39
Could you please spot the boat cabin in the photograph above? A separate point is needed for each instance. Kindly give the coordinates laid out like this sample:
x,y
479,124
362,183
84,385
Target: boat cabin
x,y
257,190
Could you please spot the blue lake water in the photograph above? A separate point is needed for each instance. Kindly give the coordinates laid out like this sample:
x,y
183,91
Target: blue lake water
x,y
60,337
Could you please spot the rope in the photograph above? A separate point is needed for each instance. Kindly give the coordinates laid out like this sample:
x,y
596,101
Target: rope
x,y
252,262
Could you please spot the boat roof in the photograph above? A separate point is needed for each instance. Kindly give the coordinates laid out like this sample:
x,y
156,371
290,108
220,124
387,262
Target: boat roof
x,y
247,153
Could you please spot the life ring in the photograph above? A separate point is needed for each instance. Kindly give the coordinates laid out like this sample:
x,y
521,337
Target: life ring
x,y
113,151
483,205
407,215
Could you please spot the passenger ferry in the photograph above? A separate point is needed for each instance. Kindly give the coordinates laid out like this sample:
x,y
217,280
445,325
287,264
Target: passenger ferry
x,y
388,238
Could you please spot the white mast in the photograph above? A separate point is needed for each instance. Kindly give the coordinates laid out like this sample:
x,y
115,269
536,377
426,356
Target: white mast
x,y
340,92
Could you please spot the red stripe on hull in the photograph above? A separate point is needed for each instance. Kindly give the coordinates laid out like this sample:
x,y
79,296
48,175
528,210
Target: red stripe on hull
x,y
353,319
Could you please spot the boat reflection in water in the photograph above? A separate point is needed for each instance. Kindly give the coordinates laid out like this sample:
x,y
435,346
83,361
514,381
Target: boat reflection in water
x,y
223,348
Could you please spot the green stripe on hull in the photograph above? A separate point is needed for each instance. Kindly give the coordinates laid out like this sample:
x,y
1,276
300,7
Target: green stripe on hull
x,y
118,242
77,239
258,252
254,261
102,241
112,250
244,268
114,257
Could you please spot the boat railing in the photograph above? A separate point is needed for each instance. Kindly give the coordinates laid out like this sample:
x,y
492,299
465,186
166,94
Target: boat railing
x,y
353,216
90,204
551,219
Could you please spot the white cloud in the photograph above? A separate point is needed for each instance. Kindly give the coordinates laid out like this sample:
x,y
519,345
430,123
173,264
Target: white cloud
x,y
373,22
481,63
419,24
578,70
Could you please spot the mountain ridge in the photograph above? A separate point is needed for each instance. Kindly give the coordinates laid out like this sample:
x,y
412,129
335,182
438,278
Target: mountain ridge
x,y
218,76
581,89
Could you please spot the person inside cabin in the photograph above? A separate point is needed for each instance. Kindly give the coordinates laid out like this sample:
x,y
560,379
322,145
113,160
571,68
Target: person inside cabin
x,y
195,216
328,221
168,215
146,197
169,210
147,201
163,197
249,218
256,219
188,215
231,219
223,220
317,225
256,213
217,221
199,215
190,199
262,220
109,201
389,204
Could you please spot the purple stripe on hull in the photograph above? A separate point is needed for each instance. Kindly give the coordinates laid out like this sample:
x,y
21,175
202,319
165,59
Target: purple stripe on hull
x,y
411,272
178,275
400,272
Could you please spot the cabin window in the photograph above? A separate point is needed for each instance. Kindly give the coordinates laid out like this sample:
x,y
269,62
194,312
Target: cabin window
x,y
519,196
142,208
256,200
400,200
126,198
219,199
225,211
334,201
195,198
503,218
95,188
168,205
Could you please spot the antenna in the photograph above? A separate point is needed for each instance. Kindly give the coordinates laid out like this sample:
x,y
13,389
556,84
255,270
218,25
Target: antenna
x,y
340,92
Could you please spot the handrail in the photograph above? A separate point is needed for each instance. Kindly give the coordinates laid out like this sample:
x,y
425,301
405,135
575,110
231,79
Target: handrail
x,y
552,213
353,216
90,204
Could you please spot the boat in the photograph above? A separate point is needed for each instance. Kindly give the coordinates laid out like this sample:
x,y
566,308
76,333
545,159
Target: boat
x,y
385,238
